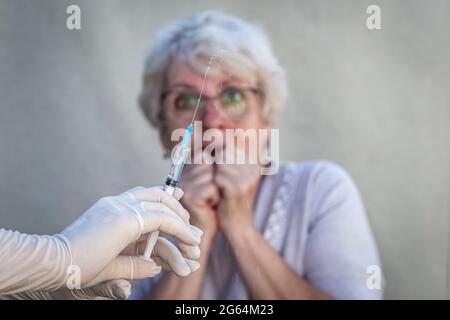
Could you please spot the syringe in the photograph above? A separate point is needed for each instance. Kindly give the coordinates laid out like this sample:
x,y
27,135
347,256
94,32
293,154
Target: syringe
x,y
178,161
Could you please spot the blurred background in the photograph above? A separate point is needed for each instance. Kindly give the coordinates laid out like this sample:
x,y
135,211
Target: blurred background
x,y
376,102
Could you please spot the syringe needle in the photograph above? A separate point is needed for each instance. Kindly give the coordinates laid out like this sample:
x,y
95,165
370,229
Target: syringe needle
x,y
203,85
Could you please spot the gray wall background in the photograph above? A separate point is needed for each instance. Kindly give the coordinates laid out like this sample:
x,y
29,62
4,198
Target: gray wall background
x,y
377,102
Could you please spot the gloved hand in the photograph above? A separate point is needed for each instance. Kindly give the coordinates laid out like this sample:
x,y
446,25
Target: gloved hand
x,y
109,290
152,209
165,250
97,245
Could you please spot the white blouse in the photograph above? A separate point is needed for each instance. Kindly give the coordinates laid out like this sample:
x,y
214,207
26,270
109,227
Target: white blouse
x,y
312,215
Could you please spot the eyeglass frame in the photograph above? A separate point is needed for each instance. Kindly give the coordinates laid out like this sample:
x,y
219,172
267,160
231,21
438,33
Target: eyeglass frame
x,y
254,90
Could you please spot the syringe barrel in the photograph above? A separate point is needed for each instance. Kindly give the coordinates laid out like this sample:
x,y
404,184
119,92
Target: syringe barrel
x,y
169,186
178,161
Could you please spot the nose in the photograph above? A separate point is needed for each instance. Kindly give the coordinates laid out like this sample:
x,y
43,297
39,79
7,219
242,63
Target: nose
x,y
212,116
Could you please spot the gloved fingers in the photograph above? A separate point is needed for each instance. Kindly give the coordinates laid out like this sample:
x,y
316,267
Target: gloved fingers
x,y
138,248
172,225
157,194
172,257
177,194
191,252
193,265
119,289
194,229
135,247
160,207
127,267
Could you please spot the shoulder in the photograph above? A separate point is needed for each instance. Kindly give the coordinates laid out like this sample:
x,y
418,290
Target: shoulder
x,y
324,184
317,173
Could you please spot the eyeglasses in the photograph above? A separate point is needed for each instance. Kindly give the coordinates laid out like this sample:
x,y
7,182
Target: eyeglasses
x,y
233,101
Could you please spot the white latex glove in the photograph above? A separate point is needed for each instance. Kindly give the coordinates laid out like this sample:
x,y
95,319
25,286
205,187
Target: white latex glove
x,y
94,245
171,257
109,290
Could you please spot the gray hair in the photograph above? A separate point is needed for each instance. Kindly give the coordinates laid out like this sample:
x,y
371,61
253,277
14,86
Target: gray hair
x,y
243,49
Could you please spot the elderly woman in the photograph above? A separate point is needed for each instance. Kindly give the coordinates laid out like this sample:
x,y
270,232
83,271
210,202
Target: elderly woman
x,y
301,233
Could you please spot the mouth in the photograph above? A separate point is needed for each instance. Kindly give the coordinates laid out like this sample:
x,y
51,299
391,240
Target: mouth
x,y
212,145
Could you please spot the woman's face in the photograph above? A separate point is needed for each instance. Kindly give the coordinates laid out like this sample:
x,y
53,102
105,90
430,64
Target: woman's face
x,y
237,103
